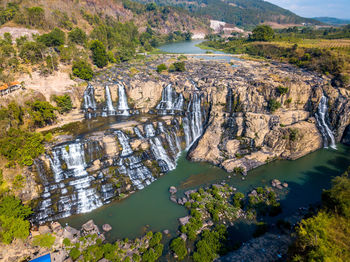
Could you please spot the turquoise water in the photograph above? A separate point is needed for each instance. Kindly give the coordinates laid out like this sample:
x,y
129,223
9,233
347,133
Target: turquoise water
x,y
151,208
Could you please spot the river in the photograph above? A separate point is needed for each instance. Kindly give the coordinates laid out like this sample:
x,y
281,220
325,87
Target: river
x,y
151,208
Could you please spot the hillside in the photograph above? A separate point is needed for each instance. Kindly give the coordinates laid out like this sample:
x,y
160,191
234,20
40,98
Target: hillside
x,y
333,21
65,34
243,13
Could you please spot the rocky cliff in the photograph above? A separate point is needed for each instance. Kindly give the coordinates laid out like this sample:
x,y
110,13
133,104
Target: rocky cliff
x,y
237,115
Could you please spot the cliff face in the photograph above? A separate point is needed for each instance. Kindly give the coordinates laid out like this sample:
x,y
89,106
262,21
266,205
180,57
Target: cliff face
x,y
237,117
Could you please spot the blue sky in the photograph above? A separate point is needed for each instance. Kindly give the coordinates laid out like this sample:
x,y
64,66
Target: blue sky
x,y
312,8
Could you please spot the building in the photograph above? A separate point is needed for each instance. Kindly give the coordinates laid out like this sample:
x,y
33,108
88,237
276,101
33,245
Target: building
x,y
9,88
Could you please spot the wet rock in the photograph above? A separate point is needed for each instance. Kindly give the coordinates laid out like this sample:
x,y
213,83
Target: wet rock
x,y
189,192
184,220
166,232
285,185
275,182
173,199
44,230
184,236
106,227
172,190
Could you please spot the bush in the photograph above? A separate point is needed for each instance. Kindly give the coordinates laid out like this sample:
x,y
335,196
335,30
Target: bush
x,y
262,33
77,36
99,54
74,253
22,146
178,67
178,246
282,90
161,68
64,103
42,112
274,105
46,240
12,219
82,70
55,38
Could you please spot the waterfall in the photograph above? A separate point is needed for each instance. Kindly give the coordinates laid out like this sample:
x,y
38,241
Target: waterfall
x,y
328,138
187,131
124,141
196,117
109,104
170,101
71,189
149,130
122,100
89,103
229,100
161,155
179,103
138,132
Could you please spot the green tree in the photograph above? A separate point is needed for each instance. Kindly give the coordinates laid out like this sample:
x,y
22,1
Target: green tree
x,y
161,68
55,38
82,69
262,33
99,54
178,246
42,112
64,103
77,36
12,219
274,105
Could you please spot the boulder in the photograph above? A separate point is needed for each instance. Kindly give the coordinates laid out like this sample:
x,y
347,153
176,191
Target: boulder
x,y
106,227
184,220
172,190
44,229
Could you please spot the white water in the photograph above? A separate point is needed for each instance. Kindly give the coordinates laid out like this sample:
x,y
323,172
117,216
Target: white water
x,y
328,137
122,100
109,103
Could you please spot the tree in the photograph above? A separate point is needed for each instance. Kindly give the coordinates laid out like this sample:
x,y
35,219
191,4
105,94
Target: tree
x,y
178,246
82,70
99,54
77,36
55,38
161,68
64,103
12,219
262,33
42,112
177,66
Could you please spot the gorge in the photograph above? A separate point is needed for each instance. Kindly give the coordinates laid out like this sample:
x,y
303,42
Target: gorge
x,y
220,114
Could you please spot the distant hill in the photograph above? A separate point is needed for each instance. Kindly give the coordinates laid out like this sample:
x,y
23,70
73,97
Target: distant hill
x,y
333,21
244,13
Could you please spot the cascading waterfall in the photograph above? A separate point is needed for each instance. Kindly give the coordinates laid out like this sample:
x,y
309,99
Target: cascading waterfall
x,y
122,101
138,132
328,138
71,185
196,117
170,101
89,100
110,110
131,165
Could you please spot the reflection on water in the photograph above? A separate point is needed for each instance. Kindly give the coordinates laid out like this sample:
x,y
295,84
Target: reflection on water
x,y
151,206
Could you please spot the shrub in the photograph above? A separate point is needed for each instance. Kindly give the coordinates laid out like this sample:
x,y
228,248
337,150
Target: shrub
x,y
274,105
77,36
282,90
64,103
46,240
55,38
293,134
18,182
178,67
12,219
99,54
82,70
161,68
74,253
42,112
178,246
262,33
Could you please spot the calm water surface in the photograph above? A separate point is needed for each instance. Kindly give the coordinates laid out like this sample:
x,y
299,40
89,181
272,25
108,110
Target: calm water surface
x,y
151,208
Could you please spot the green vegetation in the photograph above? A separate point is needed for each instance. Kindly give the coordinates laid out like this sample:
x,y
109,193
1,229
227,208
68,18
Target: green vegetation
x,y
324,50
262,33
77,36
12,219
55,38
177,67
161,68
178,246
42,112
82,69
274,105
211,244
282,90
325,236
46,240
99,54
64,103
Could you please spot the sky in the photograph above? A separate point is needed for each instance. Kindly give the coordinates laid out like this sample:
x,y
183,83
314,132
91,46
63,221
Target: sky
x,y
314,8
